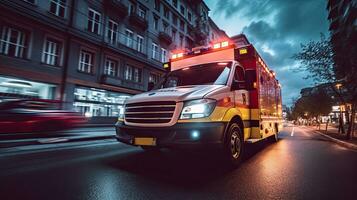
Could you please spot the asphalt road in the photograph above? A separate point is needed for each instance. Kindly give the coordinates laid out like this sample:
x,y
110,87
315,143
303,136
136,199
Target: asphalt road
x,y
301,165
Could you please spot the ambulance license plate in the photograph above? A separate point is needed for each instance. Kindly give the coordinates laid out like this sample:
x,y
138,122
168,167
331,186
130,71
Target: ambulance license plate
x,y
145,141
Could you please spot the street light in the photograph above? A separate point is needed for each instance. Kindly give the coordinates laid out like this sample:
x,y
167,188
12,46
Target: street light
x,y
340,127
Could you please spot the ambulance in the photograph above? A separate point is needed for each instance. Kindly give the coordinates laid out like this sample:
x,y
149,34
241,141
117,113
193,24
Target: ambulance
x,y
220,96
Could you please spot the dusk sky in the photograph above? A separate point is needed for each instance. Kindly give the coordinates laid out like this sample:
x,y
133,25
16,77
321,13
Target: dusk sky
x,y
276,28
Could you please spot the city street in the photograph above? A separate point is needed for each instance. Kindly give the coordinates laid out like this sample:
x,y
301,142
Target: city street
x,y
301,165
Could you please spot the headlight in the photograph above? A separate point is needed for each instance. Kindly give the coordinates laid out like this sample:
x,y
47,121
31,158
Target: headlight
x,y
198,108
121,114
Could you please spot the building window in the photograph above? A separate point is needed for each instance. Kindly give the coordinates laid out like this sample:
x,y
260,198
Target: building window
x,y
131,8
30,1
86,60
141,12
157,5
129,37
156,23
174,2
163,55
13,42
189,43
154,78
181,41
155,51
174,19
94,21
111,67
11,87
93,102
204,14
140,43
166,28
51,52
189,16
166,12
137,75
132,73
182,10
173,35
182,25
58,7
112,31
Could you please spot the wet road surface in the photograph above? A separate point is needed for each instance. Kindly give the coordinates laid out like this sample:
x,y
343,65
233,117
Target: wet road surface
x,y
301,165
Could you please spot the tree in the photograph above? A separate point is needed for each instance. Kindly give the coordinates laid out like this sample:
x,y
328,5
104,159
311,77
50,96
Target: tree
x,y
317,58
318,103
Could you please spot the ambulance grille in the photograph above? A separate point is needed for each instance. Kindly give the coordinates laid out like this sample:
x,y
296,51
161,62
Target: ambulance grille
x,y
156,112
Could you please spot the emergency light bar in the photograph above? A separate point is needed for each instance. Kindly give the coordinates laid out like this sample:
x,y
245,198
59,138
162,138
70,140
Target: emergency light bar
x,y
198,50
220,45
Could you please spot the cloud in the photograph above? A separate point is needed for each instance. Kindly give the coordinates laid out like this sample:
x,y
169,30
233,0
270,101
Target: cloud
x,y
276,28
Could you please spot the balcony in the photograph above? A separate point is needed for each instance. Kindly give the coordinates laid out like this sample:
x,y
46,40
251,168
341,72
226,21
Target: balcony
x,y
333,13
110,80
164,37
119,82
117,6
200,35
138,21
334,24
200,31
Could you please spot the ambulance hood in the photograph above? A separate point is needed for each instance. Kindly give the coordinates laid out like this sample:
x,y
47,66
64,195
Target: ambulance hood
x,y
177,94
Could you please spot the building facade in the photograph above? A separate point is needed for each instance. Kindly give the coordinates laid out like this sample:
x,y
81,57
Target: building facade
x,y
343,30
93,54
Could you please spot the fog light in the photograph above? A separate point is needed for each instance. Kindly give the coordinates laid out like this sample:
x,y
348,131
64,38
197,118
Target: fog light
x,y
195,135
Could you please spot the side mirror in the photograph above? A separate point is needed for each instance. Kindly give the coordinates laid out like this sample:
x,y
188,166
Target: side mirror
x,y
238,85
151,86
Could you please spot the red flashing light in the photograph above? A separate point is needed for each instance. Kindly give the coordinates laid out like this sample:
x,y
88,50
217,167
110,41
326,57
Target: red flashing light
x,y
177,55
224,44
217,46
220,45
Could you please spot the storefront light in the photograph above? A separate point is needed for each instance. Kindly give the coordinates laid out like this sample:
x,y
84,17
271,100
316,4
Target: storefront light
x,y
88,114
17,84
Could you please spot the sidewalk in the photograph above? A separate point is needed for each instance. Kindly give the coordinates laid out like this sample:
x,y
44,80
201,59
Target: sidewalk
x,y
332,134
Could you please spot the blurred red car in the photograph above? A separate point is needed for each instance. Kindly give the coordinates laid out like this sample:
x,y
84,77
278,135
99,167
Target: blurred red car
x,y
23,116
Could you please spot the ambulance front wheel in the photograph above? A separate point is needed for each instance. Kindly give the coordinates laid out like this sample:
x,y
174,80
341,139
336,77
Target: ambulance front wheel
x,y
275,138
234,145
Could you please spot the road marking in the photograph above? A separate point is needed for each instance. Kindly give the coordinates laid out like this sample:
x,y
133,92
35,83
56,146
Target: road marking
x,y
292,131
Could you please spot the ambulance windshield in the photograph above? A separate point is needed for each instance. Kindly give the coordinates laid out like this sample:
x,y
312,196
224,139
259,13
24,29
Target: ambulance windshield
x,y
205,74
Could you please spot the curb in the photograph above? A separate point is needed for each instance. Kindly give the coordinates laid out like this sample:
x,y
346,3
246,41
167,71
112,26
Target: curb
x,y
340,142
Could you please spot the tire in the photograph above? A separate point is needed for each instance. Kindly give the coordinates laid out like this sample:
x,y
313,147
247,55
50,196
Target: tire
x,y
274,138
234,145
150,148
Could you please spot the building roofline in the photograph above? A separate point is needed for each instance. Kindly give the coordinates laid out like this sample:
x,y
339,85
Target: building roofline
x,y
240,35
203,2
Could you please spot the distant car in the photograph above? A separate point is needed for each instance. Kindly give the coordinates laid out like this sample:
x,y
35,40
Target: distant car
x,y
22,116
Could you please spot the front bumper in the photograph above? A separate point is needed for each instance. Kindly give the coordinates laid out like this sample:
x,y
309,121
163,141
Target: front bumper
x,y
181,134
